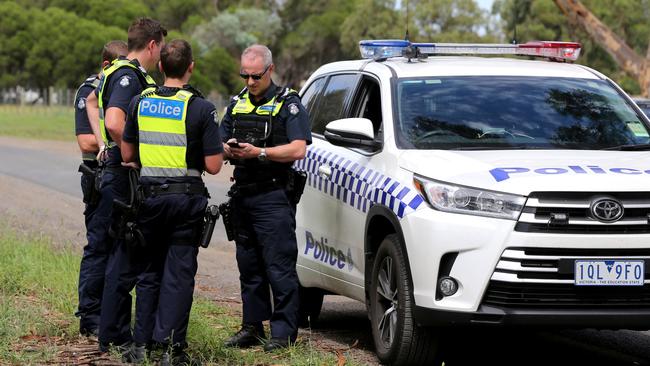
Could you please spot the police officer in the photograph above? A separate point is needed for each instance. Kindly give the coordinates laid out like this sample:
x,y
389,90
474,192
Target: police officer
x,y
265,130
123,80
95,255
173,133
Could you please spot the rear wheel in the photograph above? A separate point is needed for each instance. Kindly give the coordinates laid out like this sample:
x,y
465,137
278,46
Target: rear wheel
x,y
311,302
398,339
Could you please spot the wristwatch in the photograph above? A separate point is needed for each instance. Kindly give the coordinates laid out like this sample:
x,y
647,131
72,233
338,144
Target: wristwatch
x,y
262,155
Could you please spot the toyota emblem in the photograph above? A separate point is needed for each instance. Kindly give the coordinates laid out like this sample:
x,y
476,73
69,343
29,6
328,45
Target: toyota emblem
x,y
606,209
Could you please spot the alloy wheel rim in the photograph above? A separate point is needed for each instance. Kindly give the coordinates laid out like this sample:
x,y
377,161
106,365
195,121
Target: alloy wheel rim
x,y
387,303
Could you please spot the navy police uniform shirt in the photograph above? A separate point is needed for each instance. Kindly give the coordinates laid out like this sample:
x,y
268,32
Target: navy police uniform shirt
x,y
122,86
292,114
81,122
201,130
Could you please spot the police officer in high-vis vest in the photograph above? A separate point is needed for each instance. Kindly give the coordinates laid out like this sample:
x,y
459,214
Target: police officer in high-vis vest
x,y
95,255
173,133
124,79
265,130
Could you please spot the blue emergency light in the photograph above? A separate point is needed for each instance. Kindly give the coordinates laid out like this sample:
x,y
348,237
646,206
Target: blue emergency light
x,y
382,49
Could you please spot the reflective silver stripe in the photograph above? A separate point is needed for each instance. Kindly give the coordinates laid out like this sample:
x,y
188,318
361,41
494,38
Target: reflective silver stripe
x,y
162,138
148,171
88,156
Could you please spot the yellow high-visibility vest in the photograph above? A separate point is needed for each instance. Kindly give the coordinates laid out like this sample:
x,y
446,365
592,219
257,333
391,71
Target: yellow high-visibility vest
x,y
162,134
116,64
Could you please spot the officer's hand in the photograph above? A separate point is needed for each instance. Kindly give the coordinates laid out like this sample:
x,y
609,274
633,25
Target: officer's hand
x,y
227,149
102,155
245,151
132,164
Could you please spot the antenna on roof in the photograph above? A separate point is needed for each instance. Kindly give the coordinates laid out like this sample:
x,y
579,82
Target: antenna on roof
x,y
406,37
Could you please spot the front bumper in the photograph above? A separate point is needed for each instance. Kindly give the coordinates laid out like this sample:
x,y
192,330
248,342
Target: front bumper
x,y
638,319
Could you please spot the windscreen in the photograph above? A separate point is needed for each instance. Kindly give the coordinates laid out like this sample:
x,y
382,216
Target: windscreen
x,y
514,112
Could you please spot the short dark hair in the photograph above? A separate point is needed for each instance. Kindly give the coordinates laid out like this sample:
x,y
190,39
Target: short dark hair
x,y
175,58
113,50
143,30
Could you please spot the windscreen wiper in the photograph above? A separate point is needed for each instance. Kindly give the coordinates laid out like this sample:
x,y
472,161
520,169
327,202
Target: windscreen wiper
x,y
509,147
631,147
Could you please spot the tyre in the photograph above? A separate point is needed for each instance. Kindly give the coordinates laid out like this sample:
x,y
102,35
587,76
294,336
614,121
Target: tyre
x,y
398,340
311,302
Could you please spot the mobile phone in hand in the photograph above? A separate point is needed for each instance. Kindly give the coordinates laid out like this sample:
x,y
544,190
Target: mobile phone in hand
x,y
234,145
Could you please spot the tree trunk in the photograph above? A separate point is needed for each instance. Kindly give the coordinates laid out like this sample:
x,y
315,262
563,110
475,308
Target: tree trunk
x,y
631,62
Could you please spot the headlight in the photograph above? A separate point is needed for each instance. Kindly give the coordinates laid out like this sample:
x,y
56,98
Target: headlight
x,y
458,199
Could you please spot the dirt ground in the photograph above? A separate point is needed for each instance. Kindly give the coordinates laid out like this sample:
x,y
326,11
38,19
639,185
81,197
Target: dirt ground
x,y
37,209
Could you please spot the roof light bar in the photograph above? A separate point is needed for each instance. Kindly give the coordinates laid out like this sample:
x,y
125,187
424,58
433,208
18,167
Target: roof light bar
x,y
381,49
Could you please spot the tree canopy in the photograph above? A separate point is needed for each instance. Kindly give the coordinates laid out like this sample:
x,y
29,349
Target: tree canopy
x,y
58,42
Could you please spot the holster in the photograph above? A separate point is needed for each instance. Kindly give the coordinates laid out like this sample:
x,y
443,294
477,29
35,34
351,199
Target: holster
x,y
225,209
90,184
296,185
209,220
125,215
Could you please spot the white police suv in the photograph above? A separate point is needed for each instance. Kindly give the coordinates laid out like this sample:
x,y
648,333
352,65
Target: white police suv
x,y
458,190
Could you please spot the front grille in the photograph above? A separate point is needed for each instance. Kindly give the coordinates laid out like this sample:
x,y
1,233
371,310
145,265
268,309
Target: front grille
x,y
544,278
556,265
540,206
568,296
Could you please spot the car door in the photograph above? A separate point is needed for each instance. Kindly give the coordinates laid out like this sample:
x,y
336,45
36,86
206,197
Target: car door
x,y
341,179
317,222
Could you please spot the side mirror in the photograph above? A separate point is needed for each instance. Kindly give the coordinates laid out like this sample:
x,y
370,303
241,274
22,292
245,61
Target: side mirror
x,y
351,132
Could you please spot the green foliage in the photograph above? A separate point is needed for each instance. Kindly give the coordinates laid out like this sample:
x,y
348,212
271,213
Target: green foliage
x,y
57,42
218,71
63,57
448,20
541,19
386,23
15,42
312,37
239,29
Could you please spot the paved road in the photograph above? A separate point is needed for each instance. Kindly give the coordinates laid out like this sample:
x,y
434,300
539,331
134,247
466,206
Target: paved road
x,y
39,191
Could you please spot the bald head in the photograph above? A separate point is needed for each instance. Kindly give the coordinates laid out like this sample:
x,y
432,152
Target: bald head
x,y
113,50
258,51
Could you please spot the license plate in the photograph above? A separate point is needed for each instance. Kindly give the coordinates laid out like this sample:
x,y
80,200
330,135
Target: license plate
x,y
607,272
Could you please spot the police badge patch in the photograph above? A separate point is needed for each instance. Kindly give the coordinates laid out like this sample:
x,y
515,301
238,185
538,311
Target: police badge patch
x,y
81,104
293,108
124,81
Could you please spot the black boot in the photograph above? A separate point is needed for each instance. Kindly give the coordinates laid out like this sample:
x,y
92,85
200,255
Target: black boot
x,y
178,358
276,343
249,335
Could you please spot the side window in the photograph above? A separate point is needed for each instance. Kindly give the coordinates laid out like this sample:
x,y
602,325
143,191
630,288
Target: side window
x,y
368,104
332,102
310,96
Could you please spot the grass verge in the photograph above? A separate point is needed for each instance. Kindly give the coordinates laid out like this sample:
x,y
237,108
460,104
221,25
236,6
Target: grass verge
x,y
38,299
37,122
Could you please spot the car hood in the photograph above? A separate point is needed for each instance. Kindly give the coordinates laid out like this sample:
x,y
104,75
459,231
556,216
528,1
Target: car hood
x,y
524,171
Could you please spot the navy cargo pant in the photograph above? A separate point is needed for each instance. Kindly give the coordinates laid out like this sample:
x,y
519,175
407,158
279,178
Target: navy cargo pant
x,y
171,225
95,256
121,277
266,255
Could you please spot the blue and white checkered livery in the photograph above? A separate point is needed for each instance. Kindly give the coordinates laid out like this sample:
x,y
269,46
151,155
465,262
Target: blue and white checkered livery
x,y
358,186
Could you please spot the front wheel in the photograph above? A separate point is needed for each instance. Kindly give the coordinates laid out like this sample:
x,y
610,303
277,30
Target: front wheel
x,y
398,339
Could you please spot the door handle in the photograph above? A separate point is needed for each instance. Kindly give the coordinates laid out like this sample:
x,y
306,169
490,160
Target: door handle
x,y
324,171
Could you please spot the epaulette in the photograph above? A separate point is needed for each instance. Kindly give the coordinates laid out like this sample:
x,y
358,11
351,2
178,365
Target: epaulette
x,y
239,95
284,93
193,90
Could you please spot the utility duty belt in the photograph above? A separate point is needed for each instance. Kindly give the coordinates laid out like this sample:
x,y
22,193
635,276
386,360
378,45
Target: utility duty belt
x,y
174,188
251,189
